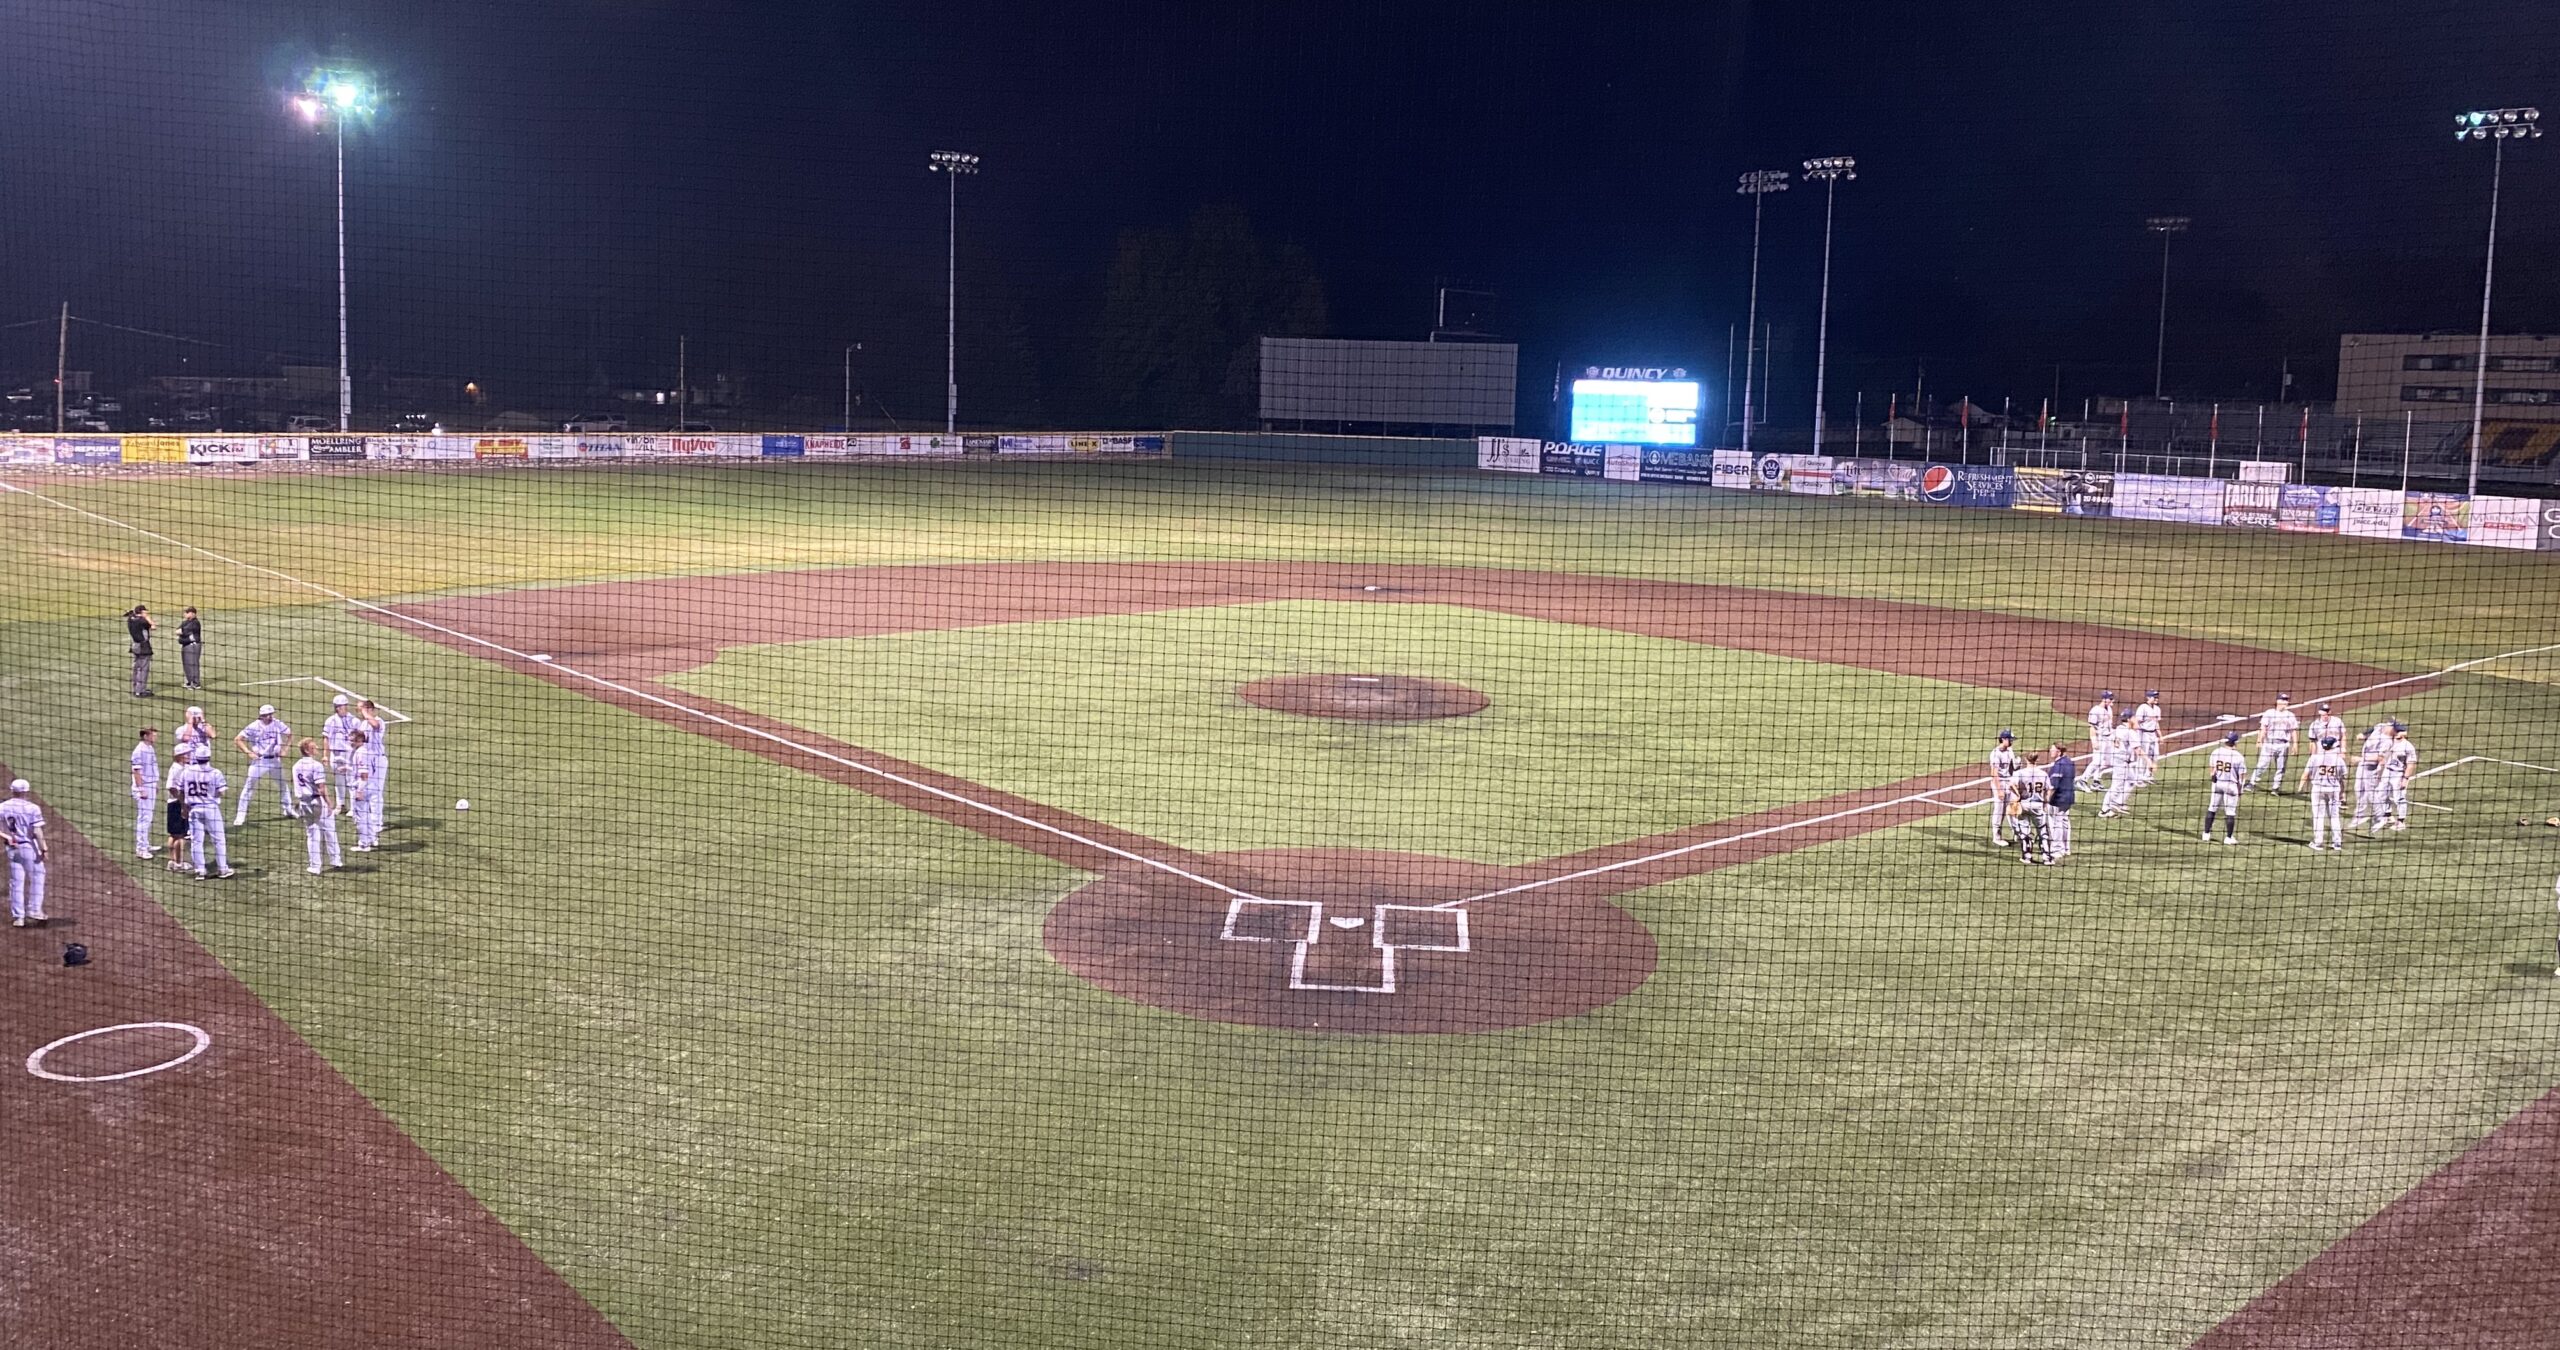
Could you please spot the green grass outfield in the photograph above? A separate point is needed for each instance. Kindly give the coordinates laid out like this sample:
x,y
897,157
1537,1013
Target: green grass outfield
x,y
811,1080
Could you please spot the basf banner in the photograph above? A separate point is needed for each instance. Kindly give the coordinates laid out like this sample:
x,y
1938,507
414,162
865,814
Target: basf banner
x,y
2250,505
2504,522
1507,454
2305,509
2368,513
1988,487
2089,492
2187,501
2438,517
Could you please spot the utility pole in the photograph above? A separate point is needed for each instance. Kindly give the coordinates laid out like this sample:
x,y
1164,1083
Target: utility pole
x,y
61,358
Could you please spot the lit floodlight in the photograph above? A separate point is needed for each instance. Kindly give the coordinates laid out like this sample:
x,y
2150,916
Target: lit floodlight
x,y
952,162
1830,169
310,109
1760,181
2167,224
2498,124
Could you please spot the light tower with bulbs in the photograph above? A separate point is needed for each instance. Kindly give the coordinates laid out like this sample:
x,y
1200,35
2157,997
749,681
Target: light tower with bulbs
x,y
952,164
337,97
2497,126
1756,185
1828,171
2167,227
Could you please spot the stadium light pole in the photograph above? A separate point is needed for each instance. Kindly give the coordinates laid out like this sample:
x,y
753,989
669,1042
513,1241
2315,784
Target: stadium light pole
x,y
1756,185
952,164
335,96
2167,227
2497,126
1828,171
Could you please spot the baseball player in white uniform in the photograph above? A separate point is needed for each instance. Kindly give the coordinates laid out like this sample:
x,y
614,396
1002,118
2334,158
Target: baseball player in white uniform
x,y
2004,766
2146,719
2399,765
377,744
2102,730
145,786
22,838
341,725
200,786
2028,788
2228,774
192,732
2369,777
2327,726
364,791
2277,727
263,741
317,804
2132,770
2326,779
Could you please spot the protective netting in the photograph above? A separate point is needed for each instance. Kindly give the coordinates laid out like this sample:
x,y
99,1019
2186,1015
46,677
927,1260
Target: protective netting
x,y
1109,680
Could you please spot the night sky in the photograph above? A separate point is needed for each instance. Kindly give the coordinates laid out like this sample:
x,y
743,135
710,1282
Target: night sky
x,y
556,190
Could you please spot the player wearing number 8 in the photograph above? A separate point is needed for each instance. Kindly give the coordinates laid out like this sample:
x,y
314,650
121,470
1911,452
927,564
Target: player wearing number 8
x,y
317,805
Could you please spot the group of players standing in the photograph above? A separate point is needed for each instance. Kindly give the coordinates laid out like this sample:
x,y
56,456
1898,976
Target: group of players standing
x,y
317,791
2032,797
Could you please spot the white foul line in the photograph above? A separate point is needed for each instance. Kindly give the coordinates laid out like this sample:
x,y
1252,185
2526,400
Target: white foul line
x,y
1928,797
757,732
394,713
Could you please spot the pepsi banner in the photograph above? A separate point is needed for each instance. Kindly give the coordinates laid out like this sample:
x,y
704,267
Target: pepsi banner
x,y
1990,487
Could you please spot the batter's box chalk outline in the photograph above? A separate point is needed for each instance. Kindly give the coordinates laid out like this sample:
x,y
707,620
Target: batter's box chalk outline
x,y
1245,914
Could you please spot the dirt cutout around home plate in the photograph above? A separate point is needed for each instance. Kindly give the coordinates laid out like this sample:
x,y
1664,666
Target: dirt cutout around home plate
x,y
1364,698
1349,940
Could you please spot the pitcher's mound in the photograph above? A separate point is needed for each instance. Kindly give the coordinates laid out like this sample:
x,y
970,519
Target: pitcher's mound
x,y
1364,698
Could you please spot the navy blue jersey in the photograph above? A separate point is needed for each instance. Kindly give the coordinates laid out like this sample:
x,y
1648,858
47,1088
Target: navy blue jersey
x,y
2066,782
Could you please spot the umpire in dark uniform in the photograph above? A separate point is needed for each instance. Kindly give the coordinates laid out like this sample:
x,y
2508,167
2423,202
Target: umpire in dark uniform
x,y
191,647
138,626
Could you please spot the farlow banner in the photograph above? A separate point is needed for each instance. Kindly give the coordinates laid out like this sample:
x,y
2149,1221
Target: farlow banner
x,y
2251,505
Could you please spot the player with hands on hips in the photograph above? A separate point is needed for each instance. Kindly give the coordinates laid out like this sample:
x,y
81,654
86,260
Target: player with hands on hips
x,y
22,839
2276,729
263,741
2146,719
200,786
314,801
2102,730
2399,765
2004,766
2228,774
2326,779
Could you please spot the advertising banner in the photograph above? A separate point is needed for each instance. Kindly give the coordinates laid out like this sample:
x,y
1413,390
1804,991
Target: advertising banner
x,y
2265,471
2305,509
1986,487
737,446
2040,490
938,444
786,447
986,445
1769,473
284,447
2089,492
222,450
2250,505
2438,517
2549,534
335,448
440,447
1622,463
1663,465
603,447
1005,445
2368,513
1809,475
375,447
1729,469
155,450
689,445
1878,478
827,447
552,447
26,450
2151,496
88,450
2504,522
1570,460
500,447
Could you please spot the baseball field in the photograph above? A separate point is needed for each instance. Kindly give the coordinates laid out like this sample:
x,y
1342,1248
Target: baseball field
x,y
1165,905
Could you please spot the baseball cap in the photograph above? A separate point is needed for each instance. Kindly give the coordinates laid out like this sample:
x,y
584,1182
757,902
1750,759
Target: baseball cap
x,y
2231,738
2007,735
339,702
204,754
2284,698
20,785
2151,693
2324,705
2399,726
195,712
266,710
2106,693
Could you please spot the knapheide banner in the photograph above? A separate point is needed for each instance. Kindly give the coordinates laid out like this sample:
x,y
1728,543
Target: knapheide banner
x,y
1507,454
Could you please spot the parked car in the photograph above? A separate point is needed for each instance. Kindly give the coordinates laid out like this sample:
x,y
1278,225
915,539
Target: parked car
x,y
597,422
310,422
688,428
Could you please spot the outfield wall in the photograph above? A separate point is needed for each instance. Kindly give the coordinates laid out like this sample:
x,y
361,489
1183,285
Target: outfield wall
x,y
1301,447
108,451
2301,508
